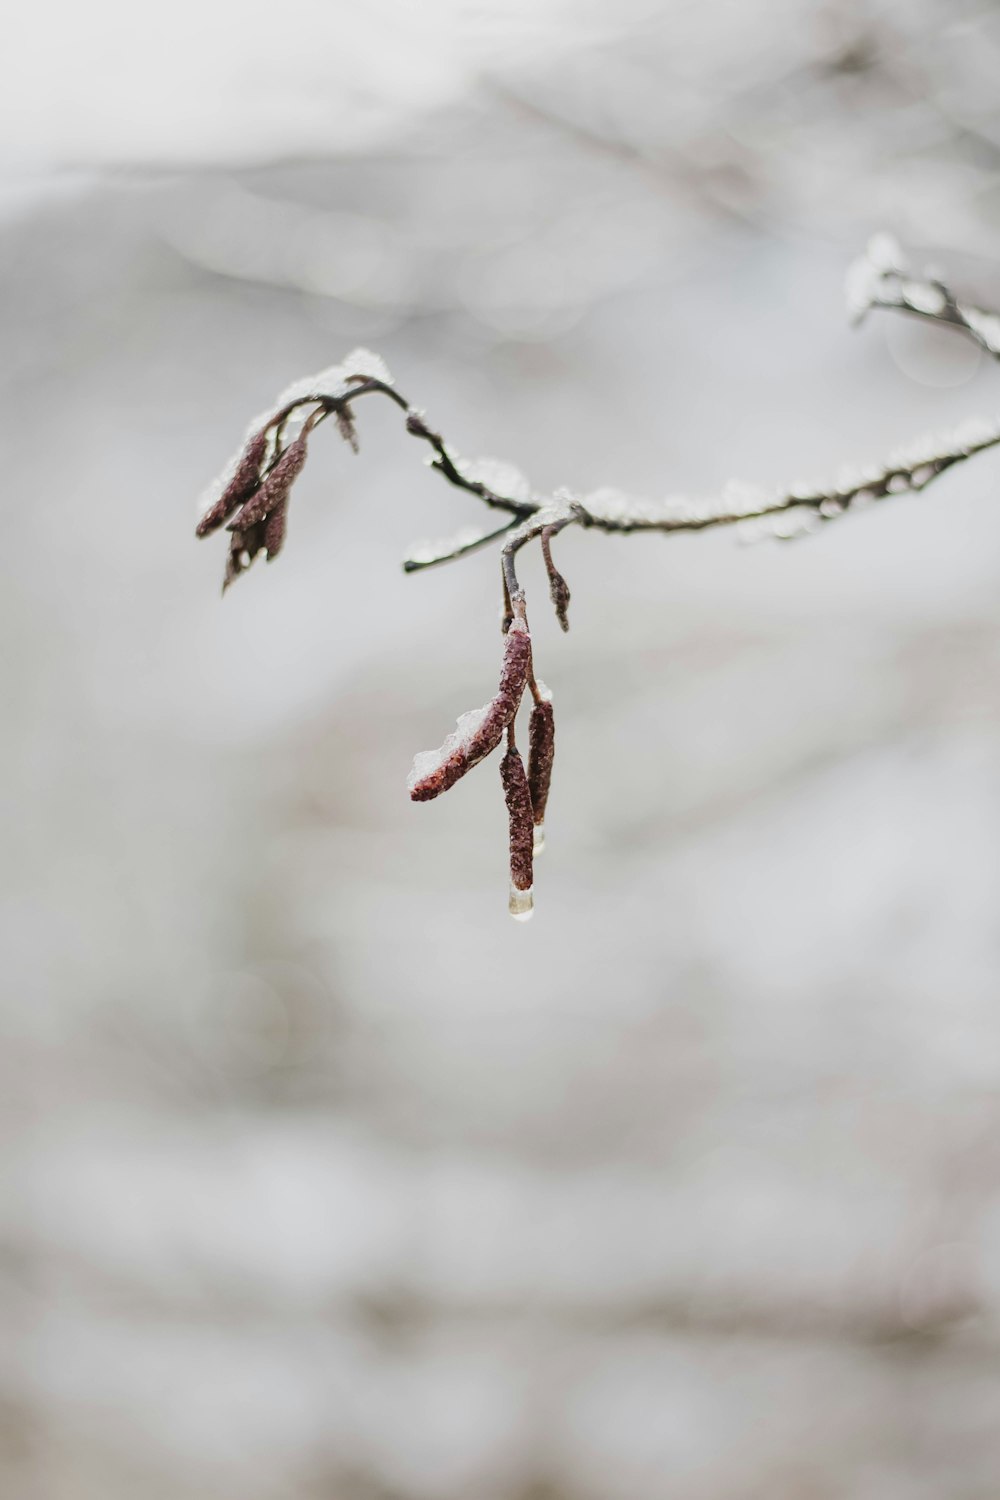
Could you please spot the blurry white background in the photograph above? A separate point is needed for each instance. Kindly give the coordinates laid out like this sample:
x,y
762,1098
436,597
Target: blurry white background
x,y
321,1179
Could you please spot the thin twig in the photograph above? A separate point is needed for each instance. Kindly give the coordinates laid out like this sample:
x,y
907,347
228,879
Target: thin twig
x,y
430,554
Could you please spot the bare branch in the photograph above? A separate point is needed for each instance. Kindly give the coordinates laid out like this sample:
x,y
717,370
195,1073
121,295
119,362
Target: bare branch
x,y
257,481
429,554
798,511
251,499
882,278
472,477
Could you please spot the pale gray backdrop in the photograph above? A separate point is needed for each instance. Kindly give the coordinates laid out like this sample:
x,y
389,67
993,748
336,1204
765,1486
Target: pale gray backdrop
x,y
322,1180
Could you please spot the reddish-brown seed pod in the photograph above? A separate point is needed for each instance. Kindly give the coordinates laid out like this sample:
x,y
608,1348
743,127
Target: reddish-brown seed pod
x,y
275,487
518,799
541,752
479,732
241,486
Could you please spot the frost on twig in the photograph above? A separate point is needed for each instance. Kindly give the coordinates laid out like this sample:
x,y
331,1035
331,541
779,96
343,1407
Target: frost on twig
x,y
469,539
882,277
251,498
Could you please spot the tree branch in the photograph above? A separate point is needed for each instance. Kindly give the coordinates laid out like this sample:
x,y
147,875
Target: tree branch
x,y
429,554
882,278
250,499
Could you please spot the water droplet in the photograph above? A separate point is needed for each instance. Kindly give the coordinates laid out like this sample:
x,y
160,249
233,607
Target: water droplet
x,y
538,847
521,904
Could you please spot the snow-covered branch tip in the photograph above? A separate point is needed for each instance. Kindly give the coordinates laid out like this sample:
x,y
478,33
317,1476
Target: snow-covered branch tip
x,y
250,500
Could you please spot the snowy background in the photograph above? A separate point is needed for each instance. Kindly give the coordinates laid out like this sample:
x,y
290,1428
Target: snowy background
x,y
321,1179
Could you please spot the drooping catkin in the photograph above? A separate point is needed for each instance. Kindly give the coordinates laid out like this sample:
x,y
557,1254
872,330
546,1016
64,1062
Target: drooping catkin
x,y
541,752
274,529
521,825
244,481
480,731
275,488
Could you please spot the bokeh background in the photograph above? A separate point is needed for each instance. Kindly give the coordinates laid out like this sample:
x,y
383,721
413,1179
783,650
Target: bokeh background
x,y
321,1179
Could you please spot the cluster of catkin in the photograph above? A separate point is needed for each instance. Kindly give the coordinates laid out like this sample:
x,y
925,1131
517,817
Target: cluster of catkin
x,y
251,501
478,734
253,504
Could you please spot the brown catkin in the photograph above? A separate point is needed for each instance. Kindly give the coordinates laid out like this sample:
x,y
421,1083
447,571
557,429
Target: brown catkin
x,y
541,753
464,754
461,758
274,529
514,668
239,489
522,833
275,488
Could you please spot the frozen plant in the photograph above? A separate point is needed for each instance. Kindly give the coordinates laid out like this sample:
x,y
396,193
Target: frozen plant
x,y
250,499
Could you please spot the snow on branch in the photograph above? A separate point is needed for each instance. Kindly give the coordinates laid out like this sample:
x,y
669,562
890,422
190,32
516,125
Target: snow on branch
x,y
250,500
882,277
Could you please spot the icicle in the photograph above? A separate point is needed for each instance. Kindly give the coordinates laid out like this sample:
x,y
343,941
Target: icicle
x,y
521,904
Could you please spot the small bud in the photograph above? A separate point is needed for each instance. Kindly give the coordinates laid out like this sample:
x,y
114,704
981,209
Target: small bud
x,y
558,587
416,425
